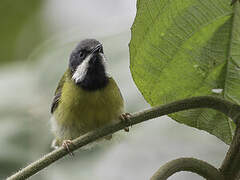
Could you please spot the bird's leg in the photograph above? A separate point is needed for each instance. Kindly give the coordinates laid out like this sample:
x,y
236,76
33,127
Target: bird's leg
x,y
234,1
66,144
125,118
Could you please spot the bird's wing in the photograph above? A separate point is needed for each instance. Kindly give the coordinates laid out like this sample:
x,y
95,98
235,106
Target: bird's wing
x,y
58,92
110,78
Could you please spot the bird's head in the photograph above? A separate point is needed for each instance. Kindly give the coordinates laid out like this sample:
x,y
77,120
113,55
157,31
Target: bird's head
x,y
87,65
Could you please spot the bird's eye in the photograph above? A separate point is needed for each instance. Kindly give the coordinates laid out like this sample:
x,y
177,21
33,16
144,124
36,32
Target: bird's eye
x,y
81,54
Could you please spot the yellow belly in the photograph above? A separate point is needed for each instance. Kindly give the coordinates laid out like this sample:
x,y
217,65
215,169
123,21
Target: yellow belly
x,y
80,111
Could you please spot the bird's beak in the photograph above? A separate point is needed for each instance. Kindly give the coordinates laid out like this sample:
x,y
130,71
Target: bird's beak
x,y
97,49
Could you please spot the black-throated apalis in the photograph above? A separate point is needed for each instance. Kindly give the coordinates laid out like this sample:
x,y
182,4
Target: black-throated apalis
x,y
86,97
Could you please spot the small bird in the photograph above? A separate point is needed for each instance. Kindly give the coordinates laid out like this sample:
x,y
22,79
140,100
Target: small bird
x,y
86,97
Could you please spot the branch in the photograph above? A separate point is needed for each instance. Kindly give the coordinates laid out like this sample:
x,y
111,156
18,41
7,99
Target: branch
x,y
228,108
231,165
200,167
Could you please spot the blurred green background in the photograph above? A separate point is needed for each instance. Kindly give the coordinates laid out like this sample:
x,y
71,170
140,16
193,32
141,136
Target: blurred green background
x,y
36,40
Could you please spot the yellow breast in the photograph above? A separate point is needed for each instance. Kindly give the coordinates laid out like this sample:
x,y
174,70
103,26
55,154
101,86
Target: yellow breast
x,y
80,111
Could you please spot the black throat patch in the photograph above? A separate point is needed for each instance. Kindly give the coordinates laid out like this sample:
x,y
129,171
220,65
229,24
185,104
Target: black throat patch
x,y
95,78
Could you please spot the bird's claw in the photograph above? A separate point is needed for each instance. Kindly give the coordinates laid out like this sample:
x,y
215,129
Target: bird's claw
x,y
125,118
66,144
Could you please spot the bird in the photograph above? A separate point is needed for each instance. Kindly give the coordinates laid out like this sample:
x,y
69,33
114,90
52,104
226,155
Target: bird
x,y
87,97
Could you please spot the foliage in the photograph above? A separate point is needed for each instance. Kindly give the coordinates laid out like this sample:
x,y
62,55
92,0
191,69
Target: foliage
x,y
185,48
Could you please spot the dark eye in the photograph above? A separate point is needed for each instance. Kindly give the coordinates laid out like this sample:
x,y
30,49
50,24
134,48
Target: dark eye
x,y
81,54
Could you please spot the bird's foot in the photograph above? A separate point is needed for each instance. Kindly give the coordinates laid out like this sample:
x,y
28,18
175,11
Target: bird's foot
x,y
234,1
66,144
125,118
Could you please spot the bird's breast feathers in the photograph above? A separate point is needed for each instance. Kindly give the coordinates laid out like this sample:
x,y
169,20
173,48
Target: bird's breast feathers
x,y
87,110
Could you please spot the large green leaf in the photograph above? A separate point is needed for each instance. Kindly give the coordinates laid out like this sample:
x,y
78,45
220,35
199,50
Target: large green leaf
x,y
184,48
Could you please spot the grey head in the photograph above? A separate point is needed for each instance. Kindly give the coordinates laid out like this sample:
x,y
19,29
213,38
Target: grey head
x,y
87,65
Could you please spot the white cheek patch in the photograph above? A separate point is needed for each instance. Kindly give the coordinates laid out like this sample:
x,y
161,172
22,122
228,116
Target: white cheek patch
x,y
103,61
81,70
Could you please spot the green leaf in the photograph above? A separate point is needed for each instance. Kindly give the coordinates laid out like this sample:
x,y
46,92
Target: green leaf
x,y
185,48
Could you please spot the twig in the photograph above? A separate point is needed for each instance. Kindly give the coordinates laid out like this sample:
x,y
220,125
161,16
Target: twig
x,y
228,108
231,165
200,167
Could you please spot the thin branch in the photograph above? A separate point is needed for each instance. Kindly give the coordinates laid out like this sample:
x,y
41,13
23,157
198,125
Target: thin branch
x,y
231,165
226,107
200,167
